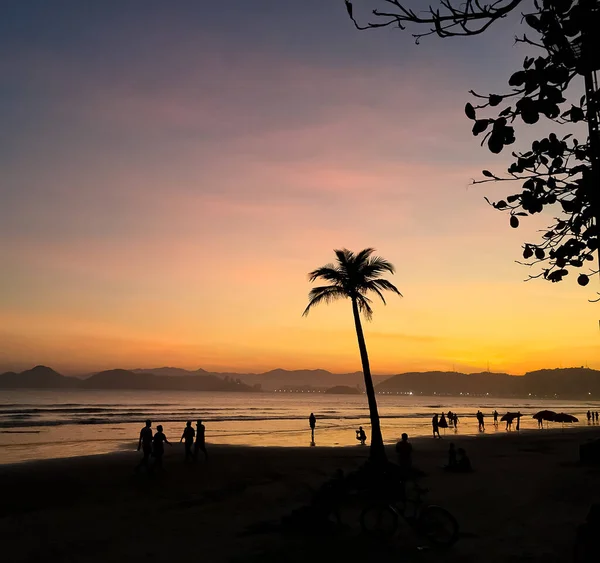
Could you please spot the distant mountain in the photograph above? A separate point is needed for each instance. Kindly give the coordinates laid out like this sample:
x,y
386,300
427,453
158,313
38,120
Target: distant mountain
x,y
171,372
124,379
39,377
567,383
320,378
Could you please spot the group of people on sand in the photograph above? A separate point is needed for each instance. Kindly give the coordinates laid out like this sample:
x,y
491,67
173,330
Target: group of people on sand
x,y
592,416
442,422
458,461
153,444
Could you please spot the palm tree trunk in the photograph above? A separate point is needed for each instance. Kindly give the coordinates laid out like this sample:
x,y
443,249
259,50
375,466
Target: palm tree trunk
x,y
377,452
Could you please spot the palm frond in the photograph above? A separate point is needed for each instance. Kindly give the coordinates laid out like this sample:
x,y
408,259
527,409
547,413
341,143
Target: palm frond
x,y
364,306
376,266
385,285
329,272
362,257
323,294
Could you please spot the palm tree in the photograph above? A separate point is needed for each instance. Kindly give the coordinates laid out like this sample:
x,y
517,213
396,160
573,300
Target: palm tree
x,y
352,277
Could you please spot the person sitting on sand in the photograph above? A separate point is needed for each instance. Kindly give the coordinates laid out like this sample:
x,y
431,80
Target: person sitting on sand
x,y
188,435
451,457
200,440
463,463
361,436
435,425
404,453
145,442
158,448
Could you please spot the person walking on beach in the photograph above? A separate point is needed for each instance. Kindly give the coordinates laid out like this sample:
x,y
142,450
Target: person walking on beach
x,y
404,453
450,419
518,420
596,416
455,421
312,422
435,425
589,416
200,440
480,421
495,414
158,448
188,436
145,442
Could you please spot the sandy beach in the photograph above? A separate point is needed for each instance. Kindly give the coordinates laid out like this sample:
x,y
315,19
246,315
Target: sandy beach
x,y
522,503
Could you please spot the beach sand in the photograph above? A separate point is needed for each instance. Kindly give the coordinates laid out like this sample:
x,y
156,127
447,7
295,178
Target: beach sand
x,y
523,502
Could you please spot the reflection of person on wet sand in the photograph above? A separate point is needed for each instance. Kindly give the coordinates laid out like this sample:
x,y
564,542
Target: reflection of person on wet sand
x,y
145,442
158,448
312,421
200,440
188,435
361,436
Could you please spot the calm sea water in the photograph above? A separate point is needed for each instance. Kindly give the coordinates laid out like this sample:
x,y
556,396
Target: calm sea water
x,y
40,424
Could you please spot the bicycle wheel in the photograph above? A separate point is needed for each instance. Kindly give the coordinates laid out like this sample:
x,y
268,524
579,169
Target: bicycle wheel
x,y
379,520
438,526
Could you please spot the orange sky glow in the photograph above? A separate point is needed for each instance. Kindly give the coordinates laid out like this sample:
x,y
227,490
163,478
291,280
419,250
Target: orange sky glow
x,y
158,216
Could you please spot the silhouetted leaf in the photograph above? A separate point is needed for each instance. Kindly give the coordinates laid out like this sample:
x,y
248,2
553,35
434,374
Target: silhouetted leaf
x,y
470,111
349,8
480,126
487,173
514,222
540,254
494,100
527,253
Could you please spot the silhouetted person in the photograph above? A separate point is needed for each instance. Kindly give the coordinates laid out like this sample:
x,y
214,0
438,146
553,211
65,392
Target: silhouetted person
x,y
455,420
145,442
596,416
509,420
442,422
463,463
540,422
188,436
587,541
361,436
480,421
589,416
158,448
435,425
450,418
404,453
452,455
495,414
200,440
518,420
312,421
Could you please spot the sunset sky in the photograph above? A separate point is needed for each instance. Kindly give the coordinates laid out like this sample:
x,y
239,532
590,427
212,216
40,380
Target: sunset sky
x,y
170,172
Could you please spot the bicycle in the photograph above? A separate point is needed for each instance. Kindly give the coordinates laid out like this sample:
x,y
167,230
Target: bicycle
x,y
430,522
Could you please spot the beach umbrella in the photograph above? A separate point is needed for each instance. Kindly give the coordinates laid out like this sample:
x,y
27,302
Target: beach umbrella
x,y
509,416
562,417
544,415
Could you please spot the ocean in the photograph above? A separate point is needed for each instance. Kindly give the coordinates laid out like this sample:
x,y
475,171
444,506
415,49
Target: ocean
x,y
42,424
